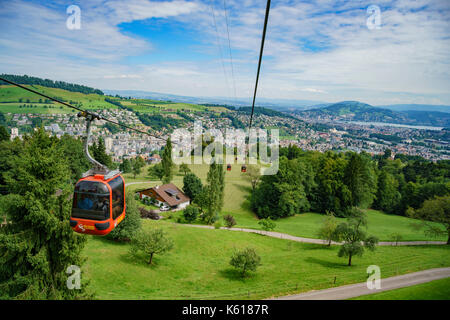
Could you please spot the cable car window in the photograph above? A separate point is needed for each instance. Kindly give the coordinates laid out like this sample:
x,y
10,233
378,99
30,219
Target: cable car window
x,y
117,196
91,201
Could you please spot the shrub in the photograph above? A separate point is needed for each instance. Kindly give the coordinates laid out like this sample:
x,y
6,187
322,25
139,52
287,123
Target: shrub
x,y
217,224
230,222
245,260
191,213
267,224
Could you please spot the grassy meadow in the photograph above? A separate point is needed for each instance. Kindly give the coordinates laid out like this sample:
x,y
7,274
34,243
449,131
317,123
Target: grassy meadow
x,y
236,203
198,266
433,290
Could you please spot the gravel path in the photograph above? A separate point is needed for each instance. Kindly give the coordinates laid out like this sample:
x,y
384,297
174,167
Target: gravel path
x,y
316,241
360,289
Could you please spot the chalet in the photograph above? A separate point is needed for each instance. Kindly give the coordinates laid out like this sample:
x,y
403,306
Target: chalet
x,y
168,194
156,158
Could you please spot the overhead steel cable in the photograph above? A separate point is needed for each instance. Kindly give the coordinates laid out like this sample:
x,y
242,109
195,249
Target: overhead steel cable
x,y
79,109
219,45
260,58
229,49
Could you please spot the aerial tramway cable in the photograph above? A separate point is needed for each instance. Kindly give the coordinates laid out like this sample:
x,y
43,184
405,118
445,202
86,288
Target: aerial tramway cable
x,y
259,63
83,112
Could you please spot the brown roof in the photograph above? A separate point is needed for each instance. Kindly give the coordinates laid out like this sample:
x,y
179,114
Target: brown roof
x,y
170,192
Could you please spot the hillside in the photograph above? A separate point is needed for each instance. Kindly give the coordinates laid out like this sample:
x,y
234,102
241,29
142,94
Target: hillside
x,y
358,111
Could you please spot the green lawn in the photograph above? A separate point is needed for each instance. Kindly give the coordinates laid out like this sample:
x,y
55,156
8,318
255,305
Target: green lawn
x,y
237,191
198,266
433,290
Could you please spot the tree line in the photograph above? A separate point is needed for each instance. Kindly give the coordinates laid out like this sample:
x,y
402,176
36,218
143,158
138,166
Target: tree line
x,y
49,83
336,182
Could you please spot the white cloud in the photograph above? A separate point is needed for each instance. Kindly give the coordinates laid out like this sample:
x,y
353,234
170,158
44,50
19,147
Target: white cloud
x,y
407,60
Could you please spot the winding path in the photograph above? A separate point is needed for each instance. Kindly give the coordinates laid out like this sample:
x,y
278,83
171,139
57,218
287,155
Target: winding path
x,y
315,241
360,289
301,239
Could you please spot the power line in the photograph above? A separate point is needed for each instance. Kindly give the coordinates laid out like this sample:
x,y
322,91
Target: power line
x,y
79,109
260,58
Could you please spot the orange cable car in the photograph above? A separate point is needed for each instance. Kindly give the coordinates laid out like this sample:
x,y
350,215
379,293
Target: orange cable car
x,y
99,196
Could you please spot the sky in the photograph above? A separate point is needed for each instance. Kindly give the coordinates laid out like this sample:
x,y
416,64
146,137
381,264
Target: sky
x,y
320,50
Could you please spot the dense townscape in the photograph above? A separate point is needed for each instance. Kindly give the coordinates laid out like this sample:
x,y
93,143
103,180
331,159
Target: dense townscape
x,y
306,133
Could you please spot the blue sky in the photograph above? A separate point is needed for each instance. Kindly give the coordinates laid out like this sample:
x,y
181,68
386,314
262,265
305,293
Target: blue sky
x,y
315,50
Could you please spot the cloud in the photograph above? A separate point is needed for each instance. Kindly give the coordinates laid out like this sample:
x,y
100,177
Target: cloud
x,y
313,49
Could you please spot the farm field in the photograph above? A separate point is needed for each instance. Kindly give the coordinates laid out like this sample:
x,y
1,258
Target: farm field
x,y
433,290
236,203
10,94
197,267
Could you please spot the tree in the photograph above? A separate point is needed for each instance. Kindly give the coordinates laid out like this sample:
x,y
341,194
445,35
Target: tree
x,y
73,151
360,179
267,224
167,162
4,134
184,168
285,193
230,222
435,210
388,197
192,186
99,153
156,171
253,175
245,260
214,192
38,245
131,224
328,229
355,239
137,165
191,213
125,166
151,242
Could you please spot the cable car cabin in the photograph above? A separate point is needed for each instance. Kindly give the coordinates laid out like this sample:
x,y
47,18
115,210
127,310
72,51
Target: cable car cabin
x,y
228,167
244,169
98,204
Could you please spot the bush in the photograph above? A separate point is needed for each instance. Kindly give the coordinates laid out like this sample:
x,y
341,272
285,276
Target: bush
x,y
230,222
217,224
267,224
149,214
191,213
245,260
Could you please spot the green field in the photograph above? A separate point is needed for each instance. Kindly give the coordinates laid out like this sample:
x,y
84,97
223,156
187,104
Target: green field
x,y
147,105
236,203
433,290
197,267
10,99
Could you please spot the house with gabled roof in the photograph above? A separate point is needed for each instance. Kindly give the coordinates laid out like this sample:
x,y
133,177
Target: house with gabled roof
x,y
168,194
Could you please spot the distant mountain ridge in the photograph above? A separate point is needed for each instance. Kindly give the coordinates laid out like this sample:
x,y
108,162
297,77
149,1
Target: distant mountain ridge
x,y
358,111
